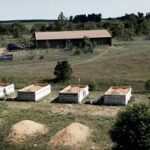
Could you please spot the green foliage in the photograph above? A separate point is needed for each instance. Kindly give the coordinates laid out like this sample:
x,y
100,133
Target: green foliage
x,y
61,23
69,45
86,18
132,128
39,27
87,45
147,85
63,70
116,27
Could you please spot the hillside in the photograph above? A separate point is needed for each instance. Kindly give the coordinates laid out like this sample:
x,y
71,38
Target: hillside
x,y
123,63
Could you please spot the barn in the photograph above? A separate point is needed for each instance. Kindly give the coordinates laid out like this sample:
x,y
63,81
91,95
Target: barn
x,y
117,95
59,38
73,94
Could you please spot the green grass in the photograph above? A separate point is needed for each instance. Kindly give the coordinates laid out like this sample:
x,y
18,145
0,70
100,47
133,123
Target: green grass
x,y
125,63
54,122
55,116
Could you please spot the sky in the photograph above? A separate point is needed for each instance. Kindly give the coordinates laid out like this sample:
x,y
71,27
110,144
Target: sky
x,y
50,9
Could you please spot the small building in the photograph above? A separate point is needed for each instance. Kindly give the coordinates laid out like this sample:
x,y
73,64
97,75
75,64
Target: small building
x,y
118,95
73,94
60,38
33,92
6,89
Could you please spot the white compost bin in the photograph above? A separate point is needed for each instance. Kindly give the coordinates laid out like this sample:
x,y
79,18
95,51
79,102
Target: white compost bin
x,y
33,92
6,89
73,94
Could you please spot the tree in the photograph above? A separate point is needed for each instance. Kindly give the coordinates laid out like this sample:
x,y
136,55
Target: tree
x,y
16,33
61,23
132,128
69,45
63,70
87,45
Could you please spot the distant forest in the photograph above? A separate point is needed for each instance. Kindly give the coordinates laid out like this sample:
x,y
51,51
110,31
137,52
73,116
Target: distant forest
x,y
124,27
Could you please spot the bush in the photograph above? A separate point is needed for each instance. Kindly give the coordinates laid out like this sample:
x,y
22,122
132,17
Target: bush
x,y
63,70
132,128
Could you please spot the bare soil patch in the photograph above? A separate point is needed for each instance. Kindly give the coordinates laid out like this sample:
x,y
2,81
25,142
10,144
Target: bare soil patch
x,y
73,136
23,130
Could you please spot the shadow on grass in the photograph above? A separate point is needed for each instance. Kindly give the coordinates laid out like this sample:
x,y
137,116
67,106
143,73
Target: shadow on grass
x,y
100,101
56,100
17,100
55,80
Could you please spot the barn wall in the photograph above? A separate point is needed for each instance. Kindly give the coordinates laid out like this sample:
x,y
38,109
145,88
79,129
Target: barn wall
x,y
75,42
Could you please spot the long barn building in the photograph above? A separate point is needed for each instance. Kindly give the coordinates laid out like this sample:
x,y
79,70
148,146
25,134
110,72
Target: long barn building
x,y
59,38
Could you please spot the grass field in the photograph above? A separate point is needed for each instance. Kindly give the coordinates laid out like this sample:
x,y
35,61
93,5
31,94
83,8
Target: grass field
x,y
125,63
55,116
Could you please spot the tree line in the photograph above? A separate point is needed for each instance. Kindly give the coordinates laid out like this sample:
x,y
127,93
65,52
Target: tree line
x,y
124,27
14,29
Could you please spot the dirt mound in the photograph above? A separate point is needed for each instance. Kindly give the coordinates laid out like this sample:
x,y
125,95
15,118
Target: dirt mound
x,y
23,130
73,135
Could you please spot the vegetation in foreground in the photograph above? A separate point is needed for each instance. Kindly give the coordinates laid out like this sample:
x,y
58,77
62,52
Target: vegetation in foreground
x,y
132,128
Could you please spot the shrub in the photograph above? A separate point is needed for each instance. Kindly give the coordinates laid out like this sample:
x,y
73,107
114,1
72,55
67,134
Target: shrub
x,y
132,128
63,70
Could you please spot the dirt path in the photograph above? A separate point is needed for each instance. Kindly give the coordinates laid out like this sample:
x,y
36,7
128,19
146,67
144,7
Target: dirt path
x,y
53,63
94,58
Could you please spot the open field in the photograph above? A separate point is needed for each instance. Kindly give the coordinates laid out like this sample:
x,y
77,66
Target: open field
x,y
125,63
56,116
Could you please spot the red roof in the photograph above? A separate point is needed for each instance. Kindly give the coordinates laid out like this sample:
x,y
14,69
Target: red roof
x,y
71,34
